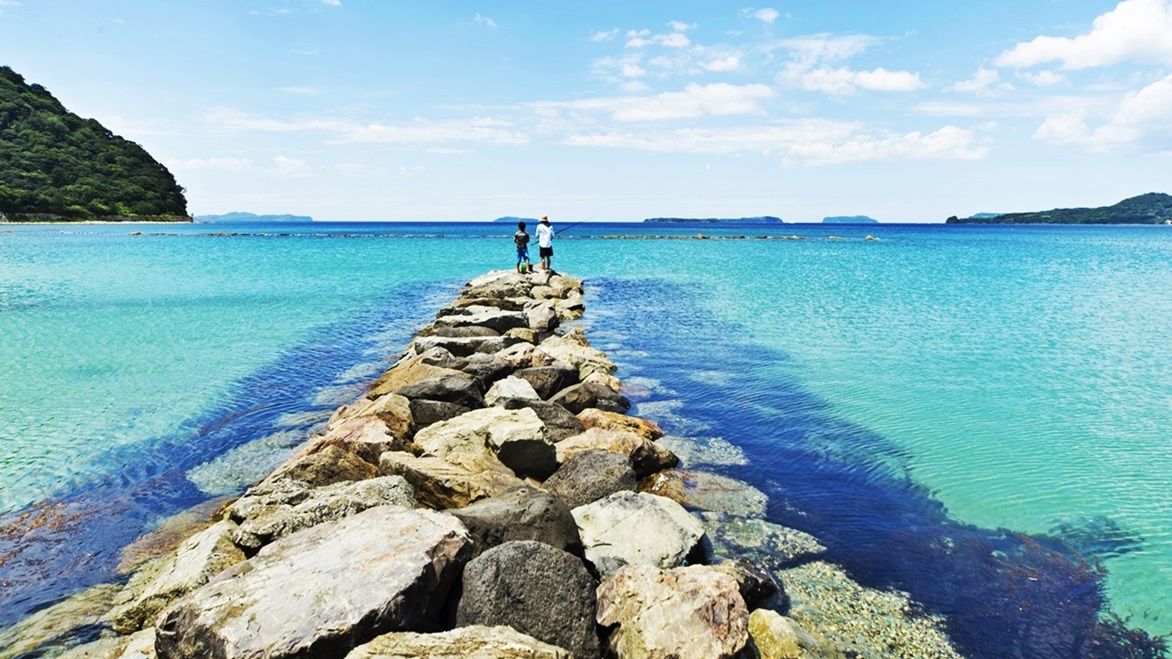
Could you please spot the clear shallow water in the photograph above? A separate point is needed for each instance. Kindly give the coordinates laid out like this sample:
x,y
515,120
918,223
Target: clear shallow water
x,y
962,377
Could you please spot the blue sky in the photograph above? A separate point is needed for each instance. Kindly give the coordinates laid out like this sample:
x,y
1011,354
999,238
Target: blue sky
x,y
364,109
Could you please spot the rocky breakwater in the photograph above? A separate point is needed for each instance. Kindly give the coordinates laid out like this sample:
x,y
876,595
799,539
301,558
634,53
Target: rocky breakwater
x,y
489,497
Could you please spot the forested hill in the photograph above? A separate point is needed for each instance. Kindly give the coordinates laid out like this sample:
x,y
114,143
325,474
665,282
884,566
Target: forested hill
x,y
54,165
1150,208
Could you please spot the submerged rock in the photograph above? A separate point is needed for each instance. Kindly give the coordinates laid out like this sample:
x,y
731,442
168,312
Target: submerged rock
x,y
689,612
324,590
536,589
772,545
707,491
774,636
626,528
475,642
44,630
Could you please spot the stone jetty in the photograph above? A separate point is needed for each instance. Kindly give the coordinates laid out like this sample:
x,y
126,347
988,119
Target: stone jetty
x,y
491,496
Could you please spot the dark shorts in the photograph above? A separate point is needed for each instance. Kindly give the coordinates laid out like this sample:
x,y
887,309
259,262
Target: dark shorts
x,y
522,254
545,251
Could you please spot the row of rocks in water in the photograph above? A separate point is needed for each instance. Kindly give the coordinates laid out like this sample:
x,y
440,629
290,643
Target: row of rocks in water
x,y
489,497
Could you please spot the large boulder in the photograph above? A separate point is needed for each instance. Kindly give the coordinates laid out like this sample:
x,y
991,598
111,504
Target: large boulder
x,y
626,528
139,645
442,485
510,387
559,421
494,318
475,642
536,589
439,328
198,559
426,412
520,513
461,389
268,514
487,368
575,350
518,438
364,436
325,467
591,475
603,420
691,612
548,380
392,409
705,490
646,456
542,317
464,346
408,371
589,394
324,590
774,546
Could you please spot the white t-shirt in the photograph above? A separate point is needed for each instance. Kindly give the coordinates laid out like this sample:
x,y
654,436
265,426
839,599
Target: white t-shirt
x,y
544,235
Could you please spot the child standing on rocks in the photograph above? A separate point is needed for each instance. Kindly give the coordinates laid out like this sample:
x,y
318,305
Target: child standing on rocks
x,y
521,239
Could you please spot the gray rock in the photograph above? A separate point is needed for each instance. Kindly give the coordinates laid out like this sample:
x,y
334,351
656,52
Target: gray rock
x,y
774,546
324,590
464,391
536,589
510,387
692,612
588,394
626,528
198,559
542,317
646,456
140,645
457,331
591,475
486,368
548,380
559,421
426,412
268,516
493,318
463,347
707,491
757,585
520,513
517,437
774,636
442,485
475,642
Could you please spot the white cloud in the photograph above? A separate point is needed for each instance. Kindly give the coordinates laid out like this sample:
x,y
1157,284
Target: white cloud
x,y
720,99
766,15
332,3
723,64
290,167
608,35
680,26
1043,78
1139,121
417,170
810,142
644,38
485,21
673,40
1135,30
810,50
631,70
637,38
225,164
985,82
477,129
842,81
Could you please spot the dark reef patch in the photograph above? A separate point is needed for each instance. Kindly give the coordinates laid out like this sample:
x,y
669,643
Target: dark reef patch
x,y
1003,594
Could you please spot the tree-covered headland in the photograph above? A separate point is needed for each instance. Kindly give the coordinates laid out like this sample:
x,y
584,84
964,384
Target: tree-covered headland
x,y
1150,208
56,166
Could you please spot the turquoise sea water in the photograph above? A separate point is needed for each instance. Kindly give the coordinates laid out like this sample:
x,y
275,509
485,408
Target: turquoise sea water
x,y
1020,376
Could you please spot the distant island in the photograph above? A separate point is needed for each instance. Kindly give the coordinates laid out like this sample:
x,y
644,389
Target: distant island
x,y
1150,208
849,219
762,219
59,167
250,217
513,220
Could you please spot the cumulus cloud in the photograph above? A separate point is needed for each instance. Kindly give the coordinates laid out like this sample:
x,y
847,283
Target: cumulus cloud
x,y
631,70
644,38
985,82
680,26
719,99
722,64
766,15
810,142
1043,78
484,20
1135,30
607,35
1139,121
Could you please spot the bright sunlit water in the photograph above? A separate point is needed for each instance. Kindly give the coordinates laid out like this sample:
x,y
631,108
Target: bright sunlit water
x,y
1021,376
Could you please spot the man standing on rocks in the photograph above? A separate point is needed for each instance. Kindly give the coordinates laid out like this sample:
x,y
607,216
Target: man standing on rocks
x,y
521,239
545,243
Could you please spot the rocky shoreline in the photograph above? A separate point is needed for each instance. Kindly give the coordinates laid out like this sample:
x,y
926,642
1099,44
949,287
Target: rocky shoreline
x,y
489,497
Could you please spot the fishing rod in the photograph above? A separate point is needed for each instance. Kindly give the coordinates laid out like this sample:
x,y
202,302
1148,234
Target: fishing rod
x,y
575,224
